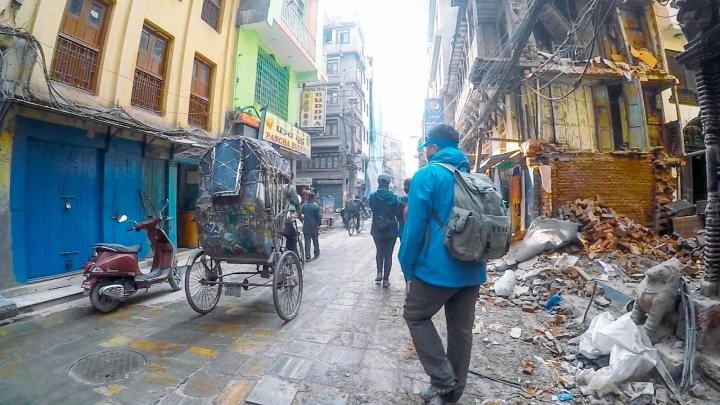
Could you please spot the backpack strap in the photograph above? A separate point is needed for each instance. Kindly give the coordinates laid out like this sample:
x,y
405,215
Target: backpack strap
x,y
434,216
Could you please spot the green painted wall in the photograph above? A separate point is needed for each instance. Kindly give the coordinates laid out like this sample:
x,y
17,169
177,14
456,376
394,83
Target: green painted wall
x,y
246,74
246,68
294,99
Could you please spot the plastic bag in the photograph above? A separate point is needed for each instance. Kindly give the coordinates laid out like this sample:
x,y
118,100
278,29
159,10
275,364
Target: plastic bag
x,y
504,287
631,353
587,345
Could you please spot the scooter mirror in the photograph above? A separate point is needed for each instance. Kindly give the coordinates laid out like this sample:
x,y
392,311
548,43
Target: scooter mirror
x,y
122,218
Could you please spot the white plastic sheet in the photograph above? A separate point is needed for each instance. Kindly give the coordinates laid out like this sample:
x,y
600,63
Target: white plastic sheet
x,y
544,234
632,356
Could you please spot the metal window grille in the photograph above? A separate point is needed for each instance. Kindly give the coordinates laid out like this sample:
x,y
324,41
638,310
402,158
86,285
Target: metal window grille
x,y
147,91
199,115
211,13
75,64
272,85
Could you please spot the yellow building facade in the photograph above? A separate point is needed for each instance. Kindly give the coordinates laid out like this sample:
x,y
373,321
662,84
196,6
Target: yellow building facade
x,y
105,107
192,30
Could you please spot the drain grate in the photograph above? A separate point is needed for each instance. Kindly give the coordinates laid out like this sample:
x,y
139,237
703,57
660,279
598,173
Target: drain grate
x,y
107,367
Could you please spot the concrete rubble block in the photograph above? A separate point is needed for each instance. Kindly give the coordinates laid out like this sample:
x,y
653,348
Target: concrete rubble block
x,y
8,309
707,324
708,367
672,357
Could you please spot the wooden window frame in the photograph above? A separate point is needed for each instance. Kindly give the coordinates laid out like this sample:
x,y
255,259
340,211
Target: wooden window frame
x,y
337,64
68,41
339,36
147,75
200,102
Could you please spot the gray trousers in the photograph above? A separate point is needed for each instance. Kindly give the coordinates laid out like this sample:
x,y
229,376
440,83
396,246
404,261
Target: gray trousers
x,y
422,302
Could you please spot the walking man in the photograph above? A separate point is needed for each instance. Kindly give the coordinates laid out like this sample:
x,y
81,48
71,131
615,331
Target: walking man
x,y
436,278
384,230
312,217
402,206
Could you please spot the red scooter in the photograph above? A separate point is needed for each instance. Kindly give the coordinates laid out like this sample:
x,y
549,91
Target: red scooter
x,y
113,273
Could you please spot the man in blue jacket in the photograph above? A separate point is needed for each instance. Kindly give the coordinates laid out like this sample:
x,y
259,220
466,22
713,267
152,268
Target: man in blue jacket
x,y
312,217
436,278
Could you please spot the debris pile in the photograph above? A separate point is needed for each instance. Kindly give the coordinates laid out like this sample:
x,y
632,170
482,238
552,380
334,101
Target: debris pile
x,y
605,231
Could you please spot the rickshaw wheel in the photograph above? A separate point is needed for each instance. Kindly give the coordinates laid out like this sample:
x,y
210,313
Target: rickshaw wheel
x,y
203,280
287,285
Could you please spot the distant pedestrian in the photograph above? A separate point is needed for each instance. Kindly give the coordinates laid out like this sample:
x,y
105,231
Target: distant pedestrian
x,y
437,279
290,231
384,229
312,217
402,206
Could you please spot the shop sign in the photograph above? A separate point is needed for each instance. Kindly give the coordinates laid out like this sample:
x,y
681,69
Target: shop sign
x,y
303,181
284,135
434,112
326,182
312,109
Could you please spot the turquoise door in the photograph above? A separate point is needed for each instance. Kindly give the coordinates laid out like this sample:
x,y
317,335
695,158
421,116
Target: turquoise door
x,y
62,207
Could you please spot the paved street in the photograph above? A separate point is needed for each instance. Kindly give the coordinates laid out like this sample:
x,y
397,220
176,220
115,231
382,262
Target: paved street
x,y
348,345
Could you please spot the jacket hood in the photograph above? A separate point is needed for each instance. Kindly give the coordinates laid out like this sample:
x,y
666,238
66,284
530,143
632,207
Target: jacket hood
x,y
452,156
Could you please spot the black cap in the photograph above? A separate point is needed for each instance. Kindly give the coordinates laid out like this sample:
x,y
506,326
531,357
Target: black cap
x,y
444,132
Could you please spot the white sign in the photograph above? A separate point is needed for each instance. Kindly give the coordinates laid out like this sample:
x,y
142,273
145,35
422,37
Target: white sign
x,y
312,109
303,181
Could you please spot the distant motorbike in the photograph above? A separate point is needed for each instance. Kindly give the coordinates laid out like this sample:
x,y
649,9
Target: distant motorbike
x,y
113,273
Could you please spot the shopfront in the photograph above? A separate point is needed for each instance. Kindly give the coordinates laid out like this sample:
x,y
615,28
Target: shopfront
x,y
292,143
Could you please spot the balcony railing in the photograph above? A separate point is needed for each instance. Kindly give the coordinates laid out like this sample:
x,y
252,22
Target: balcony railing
x,y
147,91
298,28
75,64
211,13
199,112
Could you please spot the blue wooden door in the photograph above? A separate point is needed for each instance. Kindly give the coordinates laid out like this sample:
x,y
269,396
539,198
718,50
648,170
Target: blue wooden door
x,y
63,201
128,182
155,188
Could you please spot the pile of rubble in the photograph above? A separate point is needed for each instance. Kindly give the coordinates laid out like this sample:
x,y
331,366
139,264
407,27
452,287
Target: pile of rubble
x,y
605,231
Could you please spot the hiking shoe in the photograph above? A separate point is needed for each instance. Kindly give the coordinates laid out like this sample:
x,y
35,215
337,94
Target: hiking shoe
x,y
435,392
386,284
378,279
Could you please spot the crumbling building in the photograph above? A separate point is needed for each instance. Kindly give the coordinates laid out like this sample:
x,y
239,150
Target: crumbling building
x,y
563,100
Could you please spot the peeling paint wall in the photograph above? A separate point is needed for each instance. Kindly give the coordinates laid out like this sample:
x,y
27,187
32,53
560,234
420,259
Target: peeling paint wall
x,y
7,278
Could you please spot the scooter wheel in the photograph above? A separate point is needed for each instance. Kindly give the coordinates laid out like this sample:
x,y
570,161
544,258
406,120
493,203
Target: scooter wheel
x,y
174,279
101,302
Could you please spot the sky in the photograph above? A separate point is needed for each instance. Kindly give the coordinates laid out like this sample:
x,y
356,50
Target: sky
x,y
396,37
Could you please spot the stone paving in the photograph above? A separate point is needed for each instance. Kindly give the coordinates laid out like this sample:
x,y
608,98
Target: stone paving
x,y
348,345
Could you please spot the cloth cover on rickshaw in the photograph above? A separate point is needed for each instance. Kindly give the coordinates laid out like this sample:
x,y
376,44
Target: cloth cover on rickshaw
x,y
243,185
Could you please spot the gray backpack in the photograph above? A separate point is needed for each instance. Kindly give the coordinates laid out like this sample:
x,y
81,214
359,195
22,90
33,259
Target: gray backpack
x,y
479,226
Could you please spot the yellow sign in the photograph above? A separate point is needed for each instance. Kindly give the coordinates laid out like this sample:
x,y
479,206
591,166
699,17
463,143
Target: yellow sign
x,y
281,133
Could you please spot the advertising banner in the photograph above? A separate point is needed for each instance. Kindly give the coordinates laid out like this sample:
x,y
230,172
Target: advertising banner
x,y
286,136
312,109
328,207
434,113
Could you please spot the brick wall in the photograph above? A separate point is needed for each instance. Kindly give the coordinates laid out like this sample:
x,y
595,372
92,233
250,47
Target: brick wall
x,y
625,182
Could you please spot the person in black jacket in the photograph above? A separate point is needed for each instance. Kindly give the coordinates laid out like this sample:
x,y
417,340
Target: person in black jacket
x,y
312,217
384,230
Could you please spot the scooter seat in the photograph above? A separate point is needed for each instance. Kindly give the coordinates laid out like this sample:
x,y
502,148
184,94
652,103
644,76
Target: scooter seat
x,y
114,247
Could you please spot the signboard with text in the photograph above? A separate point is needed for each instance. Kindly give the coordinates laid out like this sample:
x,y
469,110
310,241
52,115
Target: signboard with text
x,y
434,113
312,109
284,135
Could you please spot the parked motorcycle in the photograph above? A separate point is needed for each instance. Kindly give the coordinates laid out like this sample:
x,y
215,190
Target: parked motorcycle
x,y
113,273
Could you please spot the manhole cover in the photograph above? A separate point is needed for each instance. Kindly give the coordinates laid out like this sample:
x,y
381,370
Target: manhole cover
x,y
107,367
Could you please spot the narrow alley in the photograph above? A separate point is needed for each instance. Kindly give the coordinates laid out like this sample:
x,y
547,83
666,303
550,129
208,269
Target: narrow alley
x,y
348,345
